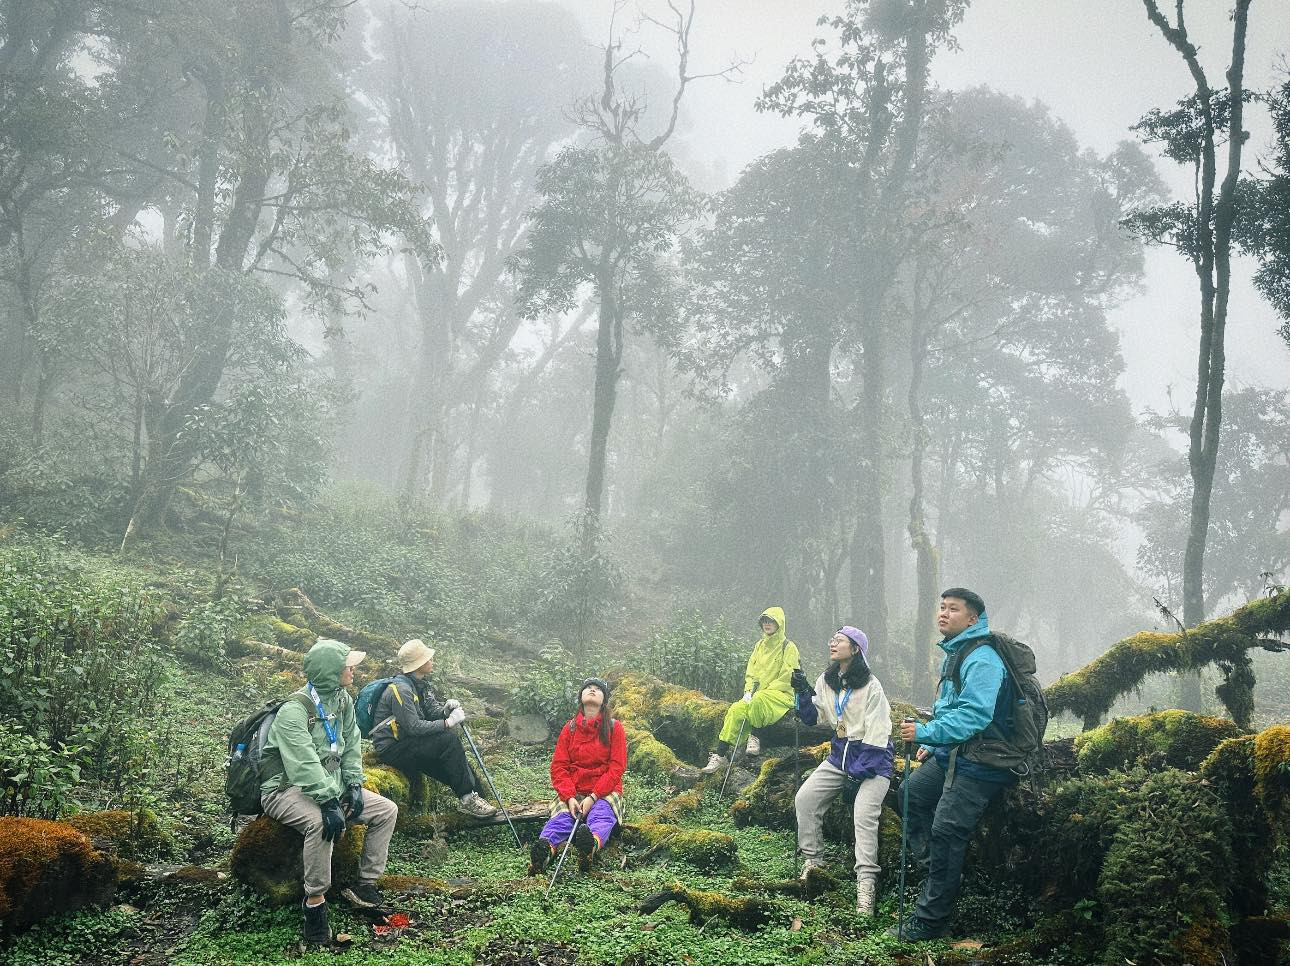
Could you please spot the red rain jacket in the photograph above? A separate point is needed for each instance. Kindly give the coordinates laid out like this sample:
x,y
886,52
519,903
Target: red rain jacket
x,y
582,764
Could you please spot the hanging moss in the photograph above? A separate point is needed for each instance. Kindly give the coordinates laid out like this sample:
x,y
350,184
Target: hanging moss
x,y
1091,691
746,912
268,857
1165,739
48,868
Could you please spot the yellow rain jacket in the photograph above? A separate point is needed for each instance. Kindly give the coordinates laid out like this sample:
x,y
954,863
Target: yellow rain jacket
x,y
769,668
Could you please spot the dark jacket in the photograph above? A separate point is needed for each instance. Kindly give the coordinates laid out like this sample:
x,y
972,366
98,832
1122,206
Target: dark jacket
x,y
407,709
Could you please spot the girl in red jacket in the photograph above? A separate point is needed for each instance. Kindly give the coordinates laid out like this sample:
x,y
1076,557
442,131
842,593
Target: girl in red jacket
x,y
587,775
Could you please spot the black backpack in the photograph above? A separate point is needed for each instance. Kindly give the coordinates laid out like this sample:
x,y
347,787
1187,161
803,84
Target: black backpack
x,y
247,765
1016,742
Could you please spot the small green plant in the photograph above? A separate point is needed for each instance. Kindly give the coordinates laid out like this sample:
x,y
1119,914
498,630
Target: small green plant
x,y
698,653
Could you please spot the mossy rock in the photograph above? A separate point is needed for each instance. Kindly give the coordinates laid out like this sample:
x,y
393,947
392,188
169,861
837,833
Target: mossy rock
x,y
131,835
650,757
412,793
268,857
1165,739
768,801
704,849
685,720
48,868
679,808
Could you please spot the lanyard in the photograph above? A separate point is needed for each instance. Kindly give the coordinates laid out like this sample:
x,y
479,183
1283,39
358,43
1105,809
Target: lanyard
x,y
841,705
327,724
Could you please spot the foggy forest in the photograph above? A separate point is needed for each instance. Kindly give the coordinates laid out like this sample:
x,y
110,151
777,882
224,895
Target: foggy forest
x,y
502,350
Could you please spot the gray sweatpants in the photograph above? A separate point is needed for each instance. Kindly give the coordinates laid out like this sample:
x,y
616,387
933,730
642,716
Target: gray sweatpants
x,y
813,799
292,807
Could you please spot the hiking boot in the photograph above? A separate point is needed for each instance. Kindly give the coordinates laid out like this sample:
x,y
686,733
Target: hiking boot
x,y
317,931
811,863
865,895
540,853
715,764
754,745
475,807
919,930
365,895
585,842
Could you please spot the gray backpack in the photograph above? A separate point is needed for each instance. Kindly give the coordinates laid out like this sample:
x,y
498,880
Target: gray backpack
x,y
1015,739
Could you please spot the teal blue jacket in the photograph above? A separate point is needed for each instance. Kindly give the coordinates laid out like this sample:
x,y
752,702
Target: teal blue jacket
x,y
958,715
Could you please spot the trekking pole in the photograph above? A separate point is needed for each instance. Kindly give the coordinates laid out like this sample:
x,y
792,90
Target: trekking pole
x,y
904,833
489,778
797,742
731,764
563,853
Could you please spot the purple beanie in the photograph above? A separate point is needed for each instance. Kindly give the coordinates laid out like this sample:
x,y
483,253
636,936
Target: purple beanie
x,y
858,637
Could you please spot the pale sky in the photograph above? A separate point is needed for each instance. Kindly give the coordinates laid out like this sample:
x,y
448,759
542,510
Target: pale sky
x,y
1098,64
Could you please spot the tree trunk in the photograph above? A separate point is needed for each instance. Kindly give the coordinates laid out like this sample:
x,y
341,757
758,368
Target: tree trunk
x,y
868,551
609,355
927,563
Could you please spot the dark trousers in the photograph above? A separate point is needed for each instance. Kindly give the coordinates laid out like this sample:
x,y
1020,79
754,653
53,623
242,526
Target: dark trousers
x,y
941,821
440,756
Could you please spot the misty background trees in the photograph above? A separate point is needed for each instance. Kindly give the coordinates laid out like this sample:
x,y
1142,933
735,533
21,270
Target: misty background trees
x,y
462,253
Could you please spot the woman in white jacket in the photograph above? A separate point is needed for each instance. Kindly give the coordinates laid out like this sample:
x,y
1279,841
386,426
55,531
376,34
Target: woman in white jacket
x,y
850,700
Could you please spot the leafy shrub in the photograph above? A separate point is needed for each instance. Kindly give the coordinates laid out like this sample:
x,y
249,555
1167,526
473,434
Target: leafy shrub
x,y
82,676
697,653
550,689
204,630
581,585
35,779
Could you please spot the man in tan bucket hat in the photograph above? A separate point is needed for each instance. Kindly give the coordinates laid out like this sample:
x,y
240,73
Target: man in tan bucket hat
x,y
414,733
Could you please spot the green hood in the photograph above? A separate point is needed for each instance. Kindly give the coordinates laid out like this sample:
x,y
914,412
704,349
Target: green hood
x,y
777,615
325,663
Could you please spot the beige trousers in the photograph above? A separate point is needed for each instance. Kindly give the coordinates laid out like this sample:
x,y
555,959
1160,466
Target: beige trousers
x,y
293,808
813,799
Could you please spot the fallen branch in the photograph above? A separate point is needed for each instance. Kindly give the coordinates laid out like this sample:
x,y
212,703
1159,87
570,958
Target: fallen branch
x,y
747,913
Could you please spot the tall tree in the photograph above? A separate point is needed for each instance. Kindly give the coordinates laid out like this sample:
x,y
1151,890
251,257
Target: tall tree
x,y
608,210
472,99
1203,232
870,95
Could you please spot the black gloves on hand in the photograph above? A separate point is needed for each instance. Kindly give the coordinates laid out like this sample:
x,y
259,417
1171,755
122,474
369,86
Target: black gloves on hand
x,y
333,820
799,683
352,799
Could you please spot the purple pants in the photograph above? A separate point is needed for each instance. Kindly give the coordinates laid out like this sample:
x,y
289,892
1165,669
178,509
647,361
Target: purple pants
x,y
601,820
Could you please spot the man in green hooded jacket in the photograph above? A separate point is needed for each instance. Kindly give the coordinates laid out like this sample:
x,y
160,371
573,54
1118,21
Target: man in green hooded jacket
x,y
313,760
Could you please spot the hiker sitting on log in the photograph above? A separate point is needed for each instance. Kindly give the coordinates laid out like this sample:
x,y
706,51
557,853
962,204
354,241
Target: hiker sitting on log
x,y
587,775
767,693
313,763
417,735
850,700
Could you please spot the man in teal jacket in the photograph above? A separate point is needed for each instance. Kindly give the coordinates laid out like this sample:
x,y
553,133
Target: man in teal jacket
x,y
948,793
313,763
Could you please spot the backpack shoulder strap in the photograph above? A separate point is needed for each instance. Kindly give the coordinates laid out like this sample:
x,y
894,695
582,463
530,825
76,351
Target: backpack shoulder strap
x,y
954,670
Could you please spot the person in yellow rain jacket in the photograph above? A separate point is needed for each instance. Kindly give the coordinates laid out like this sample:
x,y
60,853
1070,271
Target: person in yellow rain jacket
x,y
768,696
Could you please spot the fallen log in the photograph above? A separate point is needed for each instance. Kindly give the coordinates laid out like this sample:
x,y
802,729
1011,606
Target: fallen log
x,y
747,913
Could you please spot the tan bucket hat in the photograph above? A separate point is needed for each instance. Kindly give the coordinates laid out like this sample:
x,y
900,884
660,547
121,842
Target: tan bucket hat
x,y
413,654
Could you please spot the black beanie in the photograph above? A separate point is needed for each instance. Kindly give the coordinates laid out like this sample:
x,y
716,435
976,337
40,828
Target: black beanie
x,y
598,682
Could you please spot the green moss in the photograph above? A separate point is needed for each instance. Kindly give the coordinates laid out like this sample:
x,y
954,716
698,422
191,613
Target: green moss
x,y
1272,774
295,608
743,912
388,782
131,835
1091,691
267,856
293,638
680,808
648,755
686,721
768,801
702,848
1165,739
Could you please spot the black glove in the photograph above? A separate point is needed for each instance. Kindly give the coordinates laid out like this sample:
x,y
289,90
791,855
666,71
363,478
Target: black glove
x,y
352,799
799,683
333,820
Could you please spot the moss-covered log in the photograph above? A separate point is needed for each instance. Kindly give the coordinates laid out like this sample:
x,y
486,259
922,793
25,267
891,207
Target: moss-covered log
x,y
651,757
130,835
296,609
250,647
745,912
1164,739
47,868
1091,691
451,821
685,720
702,848
817,883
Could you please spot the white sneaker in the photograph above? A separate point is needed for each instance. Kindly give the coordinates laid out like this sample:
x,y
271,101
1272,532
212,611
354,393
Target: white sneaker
x,y
715,764
865,891
754,745
475,807
811,863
